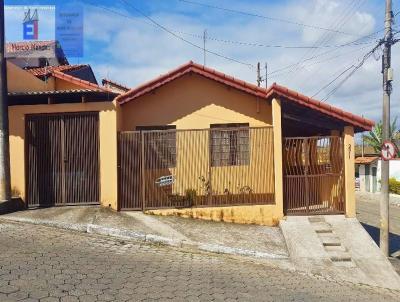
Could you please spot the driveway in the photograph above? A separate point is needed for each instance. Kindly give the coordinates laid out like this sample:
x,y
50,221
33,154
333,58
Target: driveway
x,y
40,263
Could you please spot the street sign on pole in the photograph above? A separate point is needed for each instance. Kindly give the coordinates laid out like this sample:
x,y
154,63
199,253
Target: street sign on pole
x,y
388,150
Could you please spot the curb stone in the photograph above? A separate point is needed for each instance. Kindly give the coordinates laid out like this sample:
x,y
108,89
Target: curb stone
x,y
151,238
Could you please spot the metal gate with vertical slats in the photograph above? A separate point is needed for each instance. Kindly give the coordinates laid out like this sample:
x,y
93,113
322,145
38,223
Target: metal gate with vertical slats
x,y
195,168
313,175
62,159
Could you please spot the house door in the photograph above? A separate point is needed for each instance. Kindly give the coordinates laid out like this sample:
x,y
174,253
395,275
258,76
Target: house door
x,y
313,175
62,159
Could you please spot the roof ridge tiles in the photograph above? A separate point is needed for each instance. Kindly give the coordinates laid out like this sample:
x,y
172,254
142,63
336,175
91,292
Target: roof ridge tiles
x,y
246,87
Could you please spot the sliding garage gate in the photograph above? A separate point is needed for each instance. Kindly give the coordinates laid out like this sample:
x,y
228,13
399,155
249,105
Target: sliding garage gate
x,y
62,159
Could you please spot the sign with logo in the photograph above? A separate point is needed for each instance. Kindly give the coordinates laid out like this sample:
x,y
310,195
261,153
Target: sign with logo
x,y
165,180
30,31
388,150
30,25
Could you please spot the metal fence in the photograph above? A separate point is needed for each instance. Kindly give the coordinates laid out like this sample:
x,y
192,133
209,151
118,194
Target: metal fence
x,y
313,175
195,168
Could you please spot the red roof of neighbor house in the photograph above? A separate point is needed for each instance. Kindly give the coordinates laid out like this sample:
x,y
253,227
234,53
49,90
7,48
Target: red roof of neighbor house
x,y
81,83
273,90
46,71
366,160
113,83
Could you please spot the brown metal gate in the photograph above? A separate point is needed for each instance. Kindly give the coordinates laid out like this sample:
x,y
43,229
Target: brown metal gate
x,y
62,159
195,168
313,175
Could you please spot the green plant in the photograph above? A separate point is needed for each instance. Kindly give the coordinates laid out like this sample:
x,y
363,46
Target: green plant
x,y
206,185
190,195
374,137
394,186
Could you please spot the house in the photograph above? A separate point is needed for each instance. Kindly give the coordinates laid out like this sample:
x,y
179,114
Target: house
x,y
368,172
193,142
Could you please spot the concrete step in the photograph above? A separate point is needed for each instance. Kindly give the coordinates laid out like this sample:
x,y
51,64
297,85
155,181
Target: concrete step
x,y
339,256
316,219
322,227
329,239
336,248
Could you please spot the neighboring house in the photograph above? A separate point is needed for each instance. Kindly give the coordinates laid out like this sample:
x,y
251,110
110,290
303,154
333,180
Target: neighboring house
x,y
193,142
114,86
368,172
80,71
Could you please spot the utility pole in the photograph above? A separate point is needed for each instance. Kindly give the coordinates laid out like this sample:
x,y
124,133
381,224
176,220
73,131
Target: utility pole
x,y
258,75
5,184
387,89
204,46
266,75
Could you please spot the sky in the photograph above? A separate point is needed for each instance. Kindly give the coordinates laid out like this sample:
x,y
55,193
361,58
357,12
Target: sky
x,y
133,41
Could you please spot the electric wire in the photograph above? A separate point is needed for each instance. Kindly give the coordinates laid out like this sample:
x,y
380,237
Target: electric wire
x,y
265,17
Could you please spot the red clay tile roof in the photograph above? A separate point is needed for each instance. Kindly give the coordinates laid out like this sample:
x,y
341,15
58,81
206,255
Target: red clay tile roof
x,y
275,89
46,71
82,83
366,160
325,108
115,84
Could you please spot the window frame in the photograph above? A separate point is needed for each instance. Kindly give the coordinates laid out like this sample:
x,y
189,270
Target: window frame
x,y
237,156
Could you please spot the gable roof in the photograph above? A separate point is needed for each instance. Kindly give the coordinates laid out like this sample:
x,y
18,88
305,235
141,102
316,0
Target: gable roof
x,y
112,84
79,82
269,93
365,160
41,72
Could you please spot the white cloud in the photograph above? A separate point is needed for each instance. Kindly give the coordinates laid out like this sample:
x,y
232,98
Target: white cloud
x,y
134,51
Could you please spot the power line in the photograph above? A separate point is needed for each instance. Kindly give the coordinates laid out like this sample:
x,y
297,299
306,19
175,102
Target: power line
x,y
257,44
355,68
265,17
321,54
155,23
337,24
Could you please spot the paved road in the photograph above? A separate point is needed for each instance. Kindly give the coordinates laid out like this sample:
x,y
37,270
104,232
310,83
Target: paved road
x,y
368,215
38,263
368,211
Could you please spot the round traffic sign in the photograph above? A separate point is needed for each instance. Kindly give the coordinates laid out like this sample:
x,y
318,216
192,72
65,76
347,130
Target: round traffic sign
x,y
388,150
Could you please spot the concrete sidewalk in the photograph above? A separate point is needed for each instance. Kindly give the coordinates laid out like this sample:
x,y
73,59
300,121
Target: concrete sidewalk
x,y
249,240
337,247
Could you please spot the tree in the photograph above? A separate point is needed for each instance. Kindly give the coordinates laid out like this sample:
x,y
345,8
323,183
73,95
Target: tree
x,y
374,137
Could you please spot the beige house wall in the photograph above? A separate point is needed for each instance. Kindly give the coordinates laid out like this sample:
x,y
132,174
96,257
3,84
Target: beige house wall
x,y
108,144
195,102
19,80
349,171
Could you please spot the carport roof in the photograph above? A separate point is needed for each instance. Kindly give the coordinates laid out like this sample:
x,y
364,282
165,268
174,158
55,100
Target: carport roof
x,y
275,90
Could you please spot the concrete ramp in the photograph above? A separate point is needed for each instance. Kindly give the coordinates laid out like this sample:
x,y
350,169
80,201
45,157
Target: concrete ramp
x,y
337,247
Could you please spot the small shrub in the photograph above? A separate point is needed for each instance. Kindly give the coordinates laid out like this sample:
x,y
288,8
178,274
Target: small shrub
x,y
394,186
190,195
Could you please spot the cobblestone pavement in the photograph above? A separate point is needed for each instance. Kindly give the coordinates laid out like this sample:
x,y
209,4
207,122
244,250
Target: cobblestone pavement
x,y
39,263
